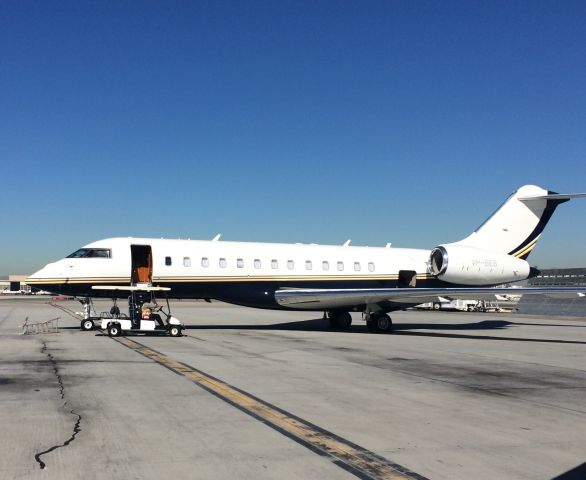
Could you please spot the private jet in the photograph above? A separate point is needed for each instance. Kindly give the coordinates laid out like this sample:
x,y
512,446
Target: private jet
x,y
334,279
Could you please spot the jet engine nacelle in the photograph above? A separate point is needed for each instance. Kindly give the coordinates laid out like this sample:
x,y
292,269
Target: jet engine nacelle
x,y
472,266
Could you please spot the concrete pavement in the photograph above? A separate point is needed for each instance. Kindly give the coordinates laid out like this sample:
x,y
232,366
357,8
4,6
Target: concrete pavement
x,y
448,396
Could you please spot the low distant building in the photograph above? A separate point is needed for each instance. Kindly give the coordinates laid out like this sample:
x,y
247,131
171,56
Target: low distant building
x,y
555,277
566,277
15,283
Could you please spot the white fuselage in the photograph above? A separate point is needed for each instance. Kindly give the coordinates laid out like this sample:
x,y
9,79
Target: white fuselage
x,y
239,272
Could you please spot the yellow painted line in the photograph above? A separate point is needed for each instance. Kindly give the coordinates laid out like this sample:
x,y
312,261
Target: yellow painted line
x,y
352,458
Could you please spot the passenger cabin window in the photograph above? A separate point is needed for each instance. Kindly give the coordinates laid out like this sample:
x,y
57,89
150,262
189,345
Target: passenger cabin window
x,y
290,264
240,263
356,266
223,263
340,266
308,265
371,267
91,253
257,263
325,265
205,262
274,264
168,261
186,262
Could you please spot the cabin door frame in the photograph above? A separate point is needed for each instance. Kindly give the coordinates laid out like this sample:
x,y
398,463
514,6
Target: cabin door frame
x,y
142,264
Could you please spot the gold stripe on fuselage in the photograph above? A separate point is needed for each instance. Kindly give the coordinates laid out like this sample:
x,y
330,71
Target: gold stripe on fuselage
x,y
92,280
215,279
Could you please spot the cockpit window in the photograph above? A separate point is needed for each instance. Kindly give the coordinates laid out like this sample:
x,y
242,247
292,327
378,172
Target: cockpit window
x,y
91,253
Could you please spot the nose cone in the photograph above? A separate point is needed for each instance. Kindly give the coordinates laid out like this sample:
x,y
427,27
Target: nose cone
x,y
41,274
45,279
34,278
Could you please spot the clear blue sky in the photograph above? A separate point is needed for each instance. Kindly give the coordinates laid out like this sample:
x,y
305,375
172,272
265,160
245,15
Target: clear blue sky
x,y
306,121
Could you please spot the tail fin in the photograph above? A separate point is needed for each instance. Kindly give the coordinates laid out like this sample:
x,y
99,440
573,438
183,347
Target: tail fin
x,y
517,225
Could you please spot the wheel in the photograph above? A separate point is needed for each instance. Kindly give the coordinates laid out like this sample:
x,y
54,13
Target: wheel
x,y
87,325
344,320
175,331
341,320
114,330
437,306
469,308
384,323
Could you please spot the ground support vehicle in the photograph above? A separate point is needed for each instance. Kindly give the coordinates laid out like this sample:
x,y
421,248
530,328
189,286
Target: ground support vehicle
x,y
145,315
117,326
462,305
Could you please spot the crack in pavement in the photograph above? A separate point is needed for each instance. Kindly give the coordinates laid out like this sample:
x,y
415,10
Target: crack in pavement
x,y
76,427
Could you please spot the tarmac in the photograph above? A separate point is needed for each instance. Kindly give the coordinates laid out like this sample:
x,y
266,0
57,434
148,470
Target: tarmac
x,y
262,394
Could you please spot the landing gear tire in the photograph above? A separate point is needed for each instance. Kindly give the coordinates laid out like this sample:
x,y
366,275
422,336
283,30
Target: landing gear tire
x,y
380,323
175,331
114,330
340,320
384,323
87,325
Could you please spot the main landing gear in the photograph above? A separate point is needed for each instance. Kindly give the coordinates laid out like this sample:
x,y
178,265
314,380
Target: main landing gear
x,y
375,322
340,320
379,323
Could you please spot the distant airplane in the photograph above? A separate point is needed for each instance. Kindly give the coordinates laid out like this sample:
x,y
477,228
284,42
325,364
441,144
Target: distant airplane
x,y
334,279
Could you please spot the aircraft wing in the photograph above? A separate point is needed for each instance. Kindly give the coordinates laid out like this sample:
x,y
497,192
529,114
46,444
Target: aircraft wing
x,y
318,299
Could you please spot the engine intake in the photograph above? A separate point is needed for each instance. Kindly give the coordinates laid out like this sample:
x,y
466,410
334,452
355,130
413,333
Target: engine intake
x,y
438,261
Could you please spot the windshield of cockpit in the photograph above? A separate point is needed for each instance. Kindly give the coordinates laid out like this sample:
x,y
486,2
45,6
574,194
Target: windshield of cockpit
x,y
91,253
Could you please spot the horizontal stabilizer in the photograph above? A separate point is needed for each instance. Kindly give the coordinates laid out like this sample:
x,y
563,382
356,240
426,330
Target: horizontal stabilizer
x,y
554,196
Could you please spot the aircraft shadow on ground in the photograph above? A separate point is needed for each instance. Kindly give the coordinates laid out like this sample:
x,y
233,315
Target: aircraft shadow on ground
x,y
440,330
321,324
414,329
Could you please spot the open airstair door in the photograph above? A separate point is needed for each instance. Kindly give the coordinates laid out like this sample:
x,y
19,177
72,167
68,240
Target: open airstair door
x,y
142,264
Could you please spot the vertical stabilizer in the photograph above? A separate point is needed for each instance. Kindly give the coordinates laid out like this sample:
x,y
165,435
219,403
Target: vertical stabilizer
x,y
517,225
